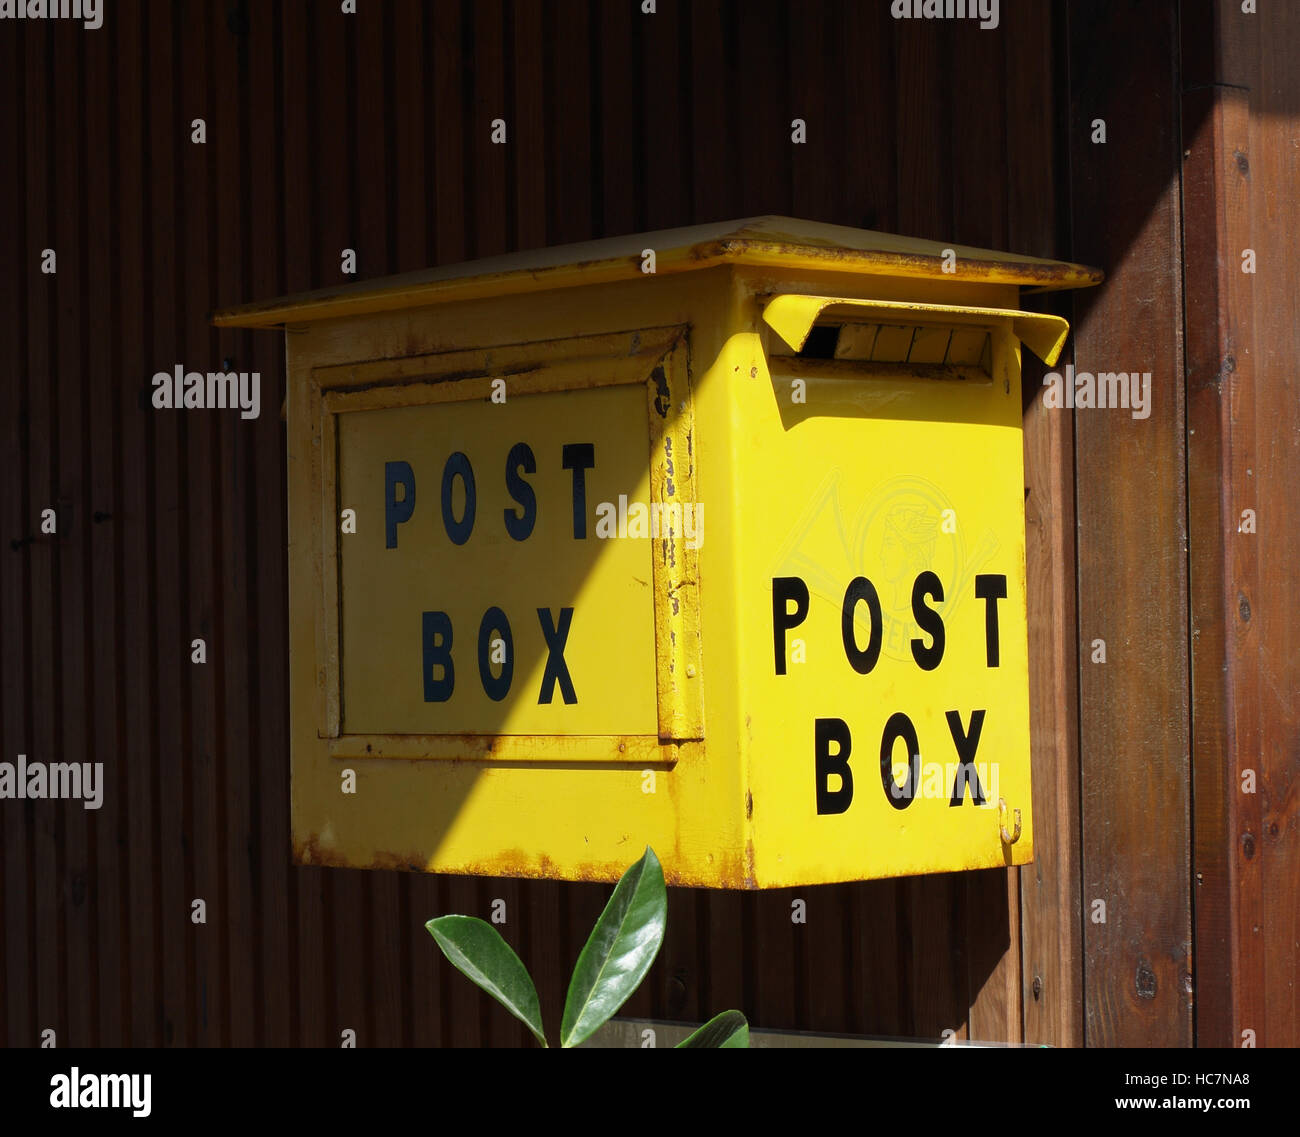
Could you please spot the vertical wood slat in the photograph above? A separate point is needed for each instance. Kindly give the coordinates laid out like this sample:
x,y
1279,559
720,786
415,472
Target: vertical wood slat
x,y
44,826
20,251
231,666
1130,493
134,523
173,835
1049,902
71,736
107,885
1271,993
198,459
1240,91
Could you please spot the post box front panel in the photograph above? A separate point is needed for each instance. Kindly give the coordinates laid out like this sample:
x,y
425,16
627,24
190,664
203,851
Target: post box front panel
x,y
888,697
479,597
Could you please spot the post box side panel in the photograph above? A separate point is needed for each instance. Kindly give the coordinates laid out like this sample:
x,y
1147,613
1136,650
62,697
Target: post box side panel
x,y
580,820
905,496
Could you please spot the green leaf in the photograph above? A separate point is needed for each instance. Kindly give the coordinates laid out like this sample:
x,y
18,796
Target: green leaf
x,y
727,1031
477,950
619,951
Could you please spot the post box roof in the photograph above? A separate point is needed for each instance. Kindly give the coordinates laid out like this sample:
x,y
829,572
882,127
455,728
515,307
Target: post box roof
x,y
774,242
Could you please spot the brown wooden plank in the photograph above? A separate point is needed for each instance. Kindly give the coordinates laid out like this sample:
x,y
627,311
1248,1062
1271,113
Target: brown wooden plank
x,y
72,735
570,129
620,102
863,61
450,116
665,108
758,85
1051,919
922,55
1131,502
1271,466
110,916
879,961
1215,212
412,86
777,948
811,99
173,841
1240,93
528,113
39,745
201,602
20,251
712,155
233,505
134,415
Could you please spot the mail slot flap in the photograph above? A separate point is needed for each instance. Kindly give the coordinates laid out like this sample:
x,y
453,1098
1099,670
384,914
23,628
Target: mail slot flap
x,y
792,318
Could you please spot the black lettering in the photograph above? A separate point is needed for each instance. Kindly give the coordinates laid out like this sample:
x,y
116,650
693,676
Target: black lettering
x,y
928,620
495,687
826,731
966,747
785,589
520,527
899,726
556,669
991,588
862,661
458,467
395,512
579,457
437,653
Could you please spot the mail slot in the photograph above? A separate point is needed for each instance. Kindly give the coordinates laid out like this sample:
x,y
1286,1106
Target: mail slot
x,y
709,539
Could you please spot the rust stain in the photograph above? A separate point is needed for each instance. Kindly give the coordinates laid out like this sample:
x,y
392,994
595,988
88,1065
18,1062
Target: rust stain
x,y
728,871
663,400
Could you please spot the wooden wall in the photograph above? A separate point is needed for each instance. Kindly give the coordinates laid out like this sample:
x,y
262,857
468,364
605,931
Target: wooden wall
x,y
371,132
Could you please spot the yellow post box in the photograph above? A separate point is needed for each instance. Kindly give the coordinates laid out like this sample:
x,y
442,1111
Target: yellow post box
x,y
709,539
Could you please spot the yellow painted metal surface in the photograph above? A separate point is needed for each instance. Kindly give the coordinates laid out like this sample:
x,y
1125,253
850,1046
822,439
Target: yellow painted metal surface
x,y
762,569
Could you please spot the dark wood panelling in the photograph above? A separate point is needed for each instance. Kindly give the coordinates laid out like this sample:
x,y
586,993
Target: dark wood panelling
x,y
1240,94
1131,508
372,132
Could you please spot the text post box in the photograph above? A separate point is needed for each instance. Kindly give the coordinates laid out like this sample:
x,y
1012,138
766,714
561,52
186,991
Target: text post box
x,y
709,539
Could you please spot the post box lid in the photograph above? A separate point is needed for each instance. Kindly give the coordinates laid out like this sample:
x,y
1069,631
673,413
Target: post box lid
x,y
777,242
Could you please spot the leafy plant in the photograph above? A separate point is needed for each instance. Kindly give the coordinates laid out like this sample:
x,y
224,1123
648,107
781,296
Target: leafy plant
x,y
616,957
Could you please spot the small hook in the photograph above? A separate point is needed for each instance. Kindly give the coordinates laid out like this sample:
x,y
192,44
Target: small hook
x,y
1007,838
